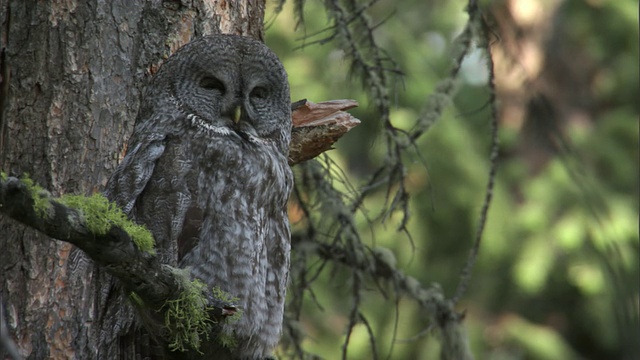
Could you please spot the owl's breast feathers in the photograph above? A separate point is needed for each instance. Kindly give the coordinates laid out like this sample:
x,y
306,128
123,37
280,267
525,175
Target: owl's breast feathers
x,y
239,191
231,176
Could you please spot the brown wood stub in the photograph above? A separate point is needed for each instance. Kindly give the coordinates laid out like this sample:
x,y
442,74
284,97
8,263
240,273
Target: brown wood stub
x,y
317,126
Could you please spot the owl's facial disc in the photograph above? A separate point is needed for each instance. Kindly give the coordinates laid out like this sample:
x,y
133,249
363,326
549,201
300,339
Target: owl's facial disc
x,y
212,99
227,74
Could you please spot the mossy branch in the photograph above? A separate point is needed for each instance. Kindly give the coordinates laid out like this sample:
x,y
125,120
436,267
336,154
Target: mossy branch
x,y
95,226
100,214
123,248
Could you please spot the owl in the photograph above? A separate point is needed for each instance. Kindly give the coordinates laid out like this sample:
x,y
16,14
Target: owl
x,y
206,171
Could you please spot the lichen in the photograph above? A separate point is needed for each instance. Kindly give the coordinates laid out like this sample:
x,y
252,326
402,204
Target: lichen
x,y
222,295
100,215
227,340
41,197
385,256
136,299
225,297
186,318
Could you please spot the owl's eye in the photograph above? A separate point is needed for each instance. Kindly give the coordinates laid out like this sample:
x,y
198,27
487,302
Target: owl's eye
x,y
259,92
211,83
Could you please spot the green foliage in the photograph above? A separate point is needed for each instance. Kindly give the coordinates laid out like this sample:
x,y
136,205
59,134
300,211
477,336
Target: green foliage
x,y
540,341
100,215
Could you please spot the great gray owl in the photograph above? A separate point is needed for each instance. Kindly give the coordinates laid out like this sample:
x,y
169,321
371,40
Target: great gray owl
x,y
206,171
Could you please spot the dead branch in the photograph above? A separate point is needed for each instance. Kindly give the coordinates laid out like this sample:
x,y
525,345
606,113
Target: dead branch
x,y
317,126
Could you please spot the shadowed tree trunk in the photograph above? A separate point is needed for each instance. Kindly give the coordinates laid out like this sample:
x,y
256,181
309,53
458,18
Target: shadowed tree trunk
x,y
72,75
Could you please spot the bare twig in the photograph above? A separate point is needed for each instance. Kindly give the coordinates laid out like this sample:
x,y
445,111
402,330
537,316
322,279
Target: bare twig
x,y
484,36
439,309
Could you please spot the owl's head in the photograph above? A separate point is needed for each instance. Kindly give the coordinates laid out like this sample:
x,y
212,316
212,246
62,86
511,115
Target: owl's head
x,y
230,82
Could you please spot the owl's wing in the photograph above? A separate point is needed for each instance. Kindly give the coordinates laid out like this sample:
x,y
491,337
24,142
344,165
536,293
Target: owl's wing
x,y
133,173
190,231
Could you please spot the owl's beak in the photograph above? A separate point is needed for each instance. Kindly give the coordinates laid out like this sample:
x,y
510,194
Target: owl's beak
x,y
237,113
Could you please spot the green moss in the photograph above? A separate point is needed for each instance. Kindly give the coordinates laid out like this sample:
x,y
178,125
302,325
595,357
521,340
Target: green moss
x,y
3,176
136,299
227,340
100,214
223,296
187,318
41,197
141,236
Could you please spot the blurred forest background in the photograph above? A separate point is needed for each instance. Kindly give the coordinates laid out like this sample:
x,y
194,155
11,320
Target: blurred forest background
x,y
557,276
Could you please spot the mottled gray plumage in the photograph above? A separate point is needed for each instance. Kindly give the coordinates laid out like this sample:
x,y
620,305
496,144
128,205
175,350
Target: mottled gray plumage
x,y
212,191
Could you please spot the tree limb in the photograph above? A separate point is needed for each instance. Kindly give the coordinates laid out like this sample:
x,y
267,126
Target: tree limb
x,y
141,272
317,126
115,250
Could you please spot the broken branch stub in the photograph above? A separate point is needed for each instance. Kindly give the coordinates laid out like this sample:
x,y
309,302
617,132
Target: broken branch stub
x,y
316,127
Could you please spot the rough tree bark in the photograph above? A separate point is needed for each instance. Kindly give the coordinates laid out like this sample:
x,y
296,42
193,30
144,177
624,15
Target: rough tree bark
x,y
72,74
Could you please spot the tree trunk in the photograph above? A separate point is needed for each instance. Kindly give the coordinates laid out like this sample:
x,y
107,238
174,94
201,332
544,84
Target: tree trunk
x,y
71,79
